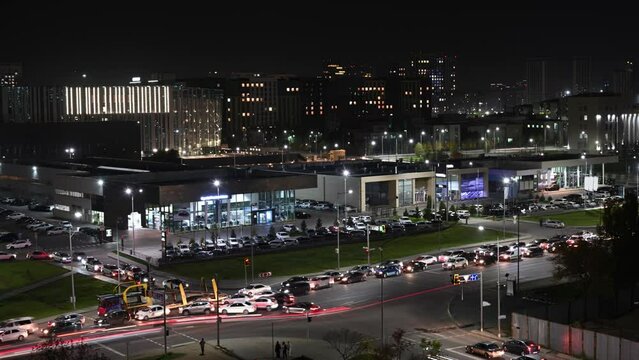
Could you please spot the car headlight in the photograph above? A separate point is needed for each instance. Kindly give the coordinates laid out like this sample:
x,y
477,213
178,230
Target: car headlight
x,y
83,261
45,331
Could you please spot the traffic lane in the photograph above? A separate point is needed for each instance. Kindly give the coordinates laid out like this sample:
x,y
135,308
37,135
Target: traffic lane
x,y
525,228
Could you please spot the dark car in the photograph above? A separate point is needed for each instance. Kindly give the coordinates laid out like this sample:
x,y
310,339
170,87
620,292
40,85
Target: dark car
x,y
353,276
89,231
284,298
92,264
486,259
557,246
296,288
534,251
386,271
117,317
78,256
302,215
552,187
60,327
523,347
415,266
110,270
485,349
301,307
294,279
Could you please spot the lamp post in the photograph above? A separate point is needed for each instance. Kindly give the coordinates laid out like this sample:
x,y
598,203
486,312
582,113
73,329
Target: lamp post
x,y
487,132
71,232
70,152
421,135
237,150
506,182
397,136
495,137
216,183
132,193
283,148
410,141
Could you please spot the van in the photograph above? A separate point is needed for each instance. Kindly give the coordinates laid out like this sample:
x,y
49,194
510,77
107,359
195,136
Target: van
x,y
24,323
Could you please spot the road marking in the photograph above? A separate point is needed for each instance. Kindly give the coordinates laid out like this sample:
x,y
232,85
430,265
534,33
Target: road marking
x,y
181,344
460,353
186,336
111,350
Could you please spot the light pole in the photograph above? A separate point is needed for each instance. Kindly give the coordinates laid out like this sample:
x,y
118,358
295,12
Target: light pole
x,y
132,193
383,137
283,148
373,143
71,232
421,135
495,137
70,152
485,144
487,132
410,141
506,182
216,183
237,150
397,136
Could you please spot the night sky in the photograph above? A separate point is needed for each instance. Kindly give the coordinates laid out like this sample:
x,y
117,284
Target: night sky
x,y
112,41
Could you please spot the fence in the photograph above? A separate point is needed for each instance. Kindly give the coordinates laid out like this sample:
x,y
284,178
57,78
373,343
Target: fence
x,y
571,340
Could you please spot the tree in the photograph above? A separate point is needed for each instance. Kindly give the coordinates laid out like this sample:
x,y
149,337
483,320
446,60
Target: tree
x,y
399,343
442,206
271,231
429,202
303,226
57,349
233,233
419,150
430,347
405,212
452,208
348,344
621,224
318,224
542,198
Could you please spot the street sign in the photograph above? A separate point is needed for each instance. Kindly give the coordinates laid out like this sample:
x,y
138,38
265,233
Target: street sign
x,y
265,274
470,277
485,303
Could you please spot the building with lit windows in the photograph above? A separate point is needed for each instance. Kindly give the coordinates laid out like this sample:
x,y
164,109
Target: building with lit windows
x,y
178,117
537,81
441,71
10,74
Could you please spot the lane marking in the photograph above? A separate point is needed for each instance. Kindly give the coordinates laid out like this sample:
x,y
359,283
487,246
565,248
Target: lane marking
x,y
460,353
111,349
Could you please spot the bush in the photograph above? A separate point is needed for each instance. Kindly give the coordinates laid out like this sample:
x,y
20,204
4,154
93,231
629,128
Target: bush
x,y
318,224
549,198
452,208
405,212
303,226
271,231
233,233
542,198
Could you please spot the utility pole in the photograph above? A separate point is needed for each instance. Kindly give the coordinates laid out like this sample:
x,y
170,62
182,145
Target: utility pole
x,y
481,301
164,316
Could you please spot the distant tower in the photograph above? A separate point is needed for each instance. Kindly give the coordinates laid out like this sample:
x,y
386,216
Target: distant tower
x,y
581,75
623,80
10,74
536,79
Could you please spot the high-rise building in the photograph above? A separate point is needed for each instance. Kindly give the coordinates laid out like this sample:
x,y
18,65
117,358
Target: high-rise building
x,y
623,80
10,74
440,70
536,80
581,74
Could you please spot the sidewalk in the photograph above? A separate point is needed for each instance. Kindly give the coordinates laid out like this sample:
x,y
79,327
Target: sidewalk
x,y
258,348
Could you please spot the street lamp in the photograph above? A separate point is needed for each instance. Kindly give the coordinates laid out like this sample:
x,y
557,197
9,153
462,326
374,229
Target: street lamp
x,y
77,215
373,143
128,191
421,135
383,137
345,173
495,137
283,148
70,151
237,150
397,136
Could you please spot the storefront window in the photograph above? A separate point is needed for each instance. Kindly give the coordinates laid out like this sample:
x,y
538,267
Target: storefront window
x,y
405,188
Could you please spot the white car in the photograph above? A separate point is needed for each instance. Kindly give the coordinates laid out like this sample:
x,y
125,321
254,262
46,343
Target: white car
x,y
265,303
463,214
61,257
183,248
221,243
15,216
254,289
365,219
282,235
237,298
455,263
510,255
35,225
554,224
57,231
238,308
289,227
405,220
196,307
234,243
274,244
291,242
19,244
266,294
426,259
154,311
360,226
66,224
12,334
7,256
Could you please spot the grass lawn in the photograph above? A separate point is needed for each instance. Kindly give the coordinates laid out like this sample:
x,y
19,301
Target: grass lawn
x,y
573,218
16,274
53,299
305,261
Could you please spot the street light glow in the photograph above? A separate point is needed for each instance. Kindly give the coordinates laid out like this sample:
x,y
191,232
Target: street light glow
x,y
346,173
128,191
373,143
506,181
78,214
216,182
481,228
100,182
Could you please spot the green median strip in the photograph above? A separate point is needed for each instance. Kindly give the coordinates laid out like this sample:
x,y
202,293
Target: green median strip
x,y
53,299
17,274
573,218
311,260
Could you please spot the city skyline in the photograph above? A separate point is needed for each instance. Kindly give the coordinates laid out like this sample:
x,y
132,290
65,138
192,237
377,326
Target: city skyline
x,y
492,46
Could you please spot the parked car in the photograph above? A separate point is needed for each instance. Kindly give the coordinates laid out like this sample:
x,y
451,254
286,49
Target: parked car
x,y
302,215
521,347
19,244
301,307
254,289
235,298
486,349
39,255
281,235
151,312
116,317
267,303
238,308
4,256
463,214
196,307
552,187
455,263
15,216
12,334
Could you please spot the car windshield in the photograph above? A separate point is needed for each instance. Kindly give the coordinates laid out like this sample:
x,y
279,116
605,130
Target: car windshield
x,y
492,346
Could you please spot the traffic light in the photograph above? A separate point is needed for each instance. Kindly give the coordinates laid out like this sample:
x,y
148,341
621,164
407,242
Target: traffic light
x,y
455,279
247,262
308,318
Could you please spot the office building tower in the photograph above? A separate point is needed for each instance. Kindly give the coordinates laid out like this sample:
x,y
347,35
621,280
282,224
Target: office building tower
x,y
581,74
536,80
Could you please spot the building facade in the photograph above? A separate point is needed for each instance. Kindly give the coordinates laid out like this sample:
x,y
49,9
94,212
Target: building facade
x,y
536,81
